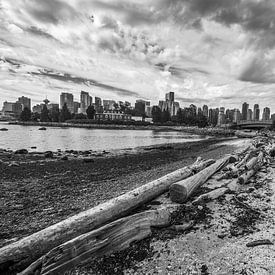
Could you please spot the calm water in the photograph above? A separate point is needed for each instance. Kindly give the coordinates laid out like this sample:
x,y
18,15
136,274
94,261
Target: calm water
x,y
54,138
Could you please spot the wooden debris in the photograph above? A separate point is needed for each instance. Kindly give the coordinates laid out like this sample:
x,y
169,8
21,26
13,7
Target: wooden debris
x,y
259,242
182,190
20,254
212,195
112,237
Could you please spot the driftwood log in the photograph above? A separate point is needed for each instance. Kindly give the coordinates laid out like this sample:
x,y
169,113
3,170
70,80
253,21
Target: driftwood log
x,y
22,253
182,190
112,237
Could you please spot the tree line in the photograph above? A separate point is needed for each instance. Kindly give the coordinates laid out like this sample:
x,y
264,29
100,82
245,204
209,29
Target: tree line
x,y
55,115
186,116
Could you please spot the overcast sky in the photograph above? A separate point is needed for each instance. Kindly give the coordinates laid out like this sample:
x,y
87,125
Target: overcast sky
x,y
214,52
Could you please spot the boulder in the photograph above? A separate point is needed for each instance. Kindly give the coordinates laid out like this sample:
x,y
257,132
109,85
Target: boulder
x,y
21,151
48,154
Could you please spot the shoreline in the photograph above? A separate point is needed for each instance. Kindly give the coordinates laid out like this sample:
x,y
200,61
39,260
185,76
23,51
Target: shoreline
x,y
189,129
38,192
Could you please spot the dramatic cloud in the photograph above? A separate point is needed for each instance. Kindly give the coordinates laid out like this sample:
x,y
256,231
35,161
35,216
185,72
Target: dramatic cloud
x,y
215,52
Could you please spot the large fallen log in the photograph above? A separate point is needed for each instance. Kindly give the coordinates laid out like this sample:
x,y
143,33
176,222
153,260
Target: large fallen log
x,y
112,237
182,190
22,253
252,162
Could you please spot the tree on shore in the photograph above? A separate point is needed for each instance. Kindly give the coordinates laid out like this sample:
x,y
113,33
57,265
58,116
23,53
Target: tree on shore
x,y
65,113
90,112
44,117
26,114
54,115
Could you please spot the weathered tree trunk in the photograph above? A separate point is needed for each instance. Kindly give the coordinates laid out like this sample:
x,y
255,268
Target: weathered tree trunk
x,y
112,237
182,190
20,254
212,195
244,178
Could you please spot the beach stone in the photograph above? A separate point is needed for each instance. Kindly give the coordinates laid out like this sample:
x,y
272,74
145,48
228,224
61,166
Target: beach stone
x,y
21,151
64,158
48,154
88,160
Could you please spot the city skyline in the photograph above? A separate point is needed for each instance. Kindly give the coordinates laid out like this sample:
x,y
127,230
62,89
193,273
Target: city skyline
x,y
218,113
139,49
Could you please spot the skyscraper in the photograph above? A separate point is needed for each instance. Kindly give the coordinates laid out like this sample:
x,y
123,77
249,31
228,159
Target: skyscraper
x,y
98,105
170,96
256,112
85,101
205,110
244,111
221,117
68,99
249,114
266,113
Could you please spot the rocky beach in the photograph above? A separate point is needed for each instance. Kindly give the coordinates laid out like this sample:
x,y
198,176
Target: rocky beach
x,y
39,189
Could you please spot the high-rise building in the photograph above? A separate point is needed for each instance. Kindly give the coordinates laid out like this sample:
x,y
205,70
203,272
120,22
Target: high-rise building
x,y
25,101
68,99
273,117
237,115
221,117
249,114
140,107
256,112
205,110
170,96
244,111
213,116
266,113
229,115
85,101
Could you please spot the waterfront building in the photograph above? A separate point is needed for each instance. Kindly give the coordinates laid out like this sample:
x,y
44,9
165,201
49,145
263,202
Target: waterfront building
x,y
256,112
25,101
113,115
244,110
273,117
266,113
213,116
249,114
68,99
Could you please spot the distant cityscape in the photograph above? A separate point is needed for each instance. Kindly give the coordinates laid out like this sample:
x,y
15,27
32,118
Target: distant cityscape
x,y
141,111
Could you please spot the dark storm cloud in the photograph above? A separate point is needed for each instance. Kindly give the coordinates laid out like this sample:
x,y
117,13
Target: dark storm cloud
x,y
39,32
81,80
178,71
52,11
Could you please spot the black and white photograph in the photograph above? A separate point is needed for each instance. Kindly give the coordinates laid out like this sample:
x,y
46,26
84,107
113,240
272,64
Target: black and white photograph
x,y
137,137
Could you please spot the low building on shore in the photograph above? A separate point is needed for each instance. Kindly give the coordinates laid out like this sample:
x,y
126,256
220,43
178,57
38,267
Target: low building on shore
x,y
113,115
